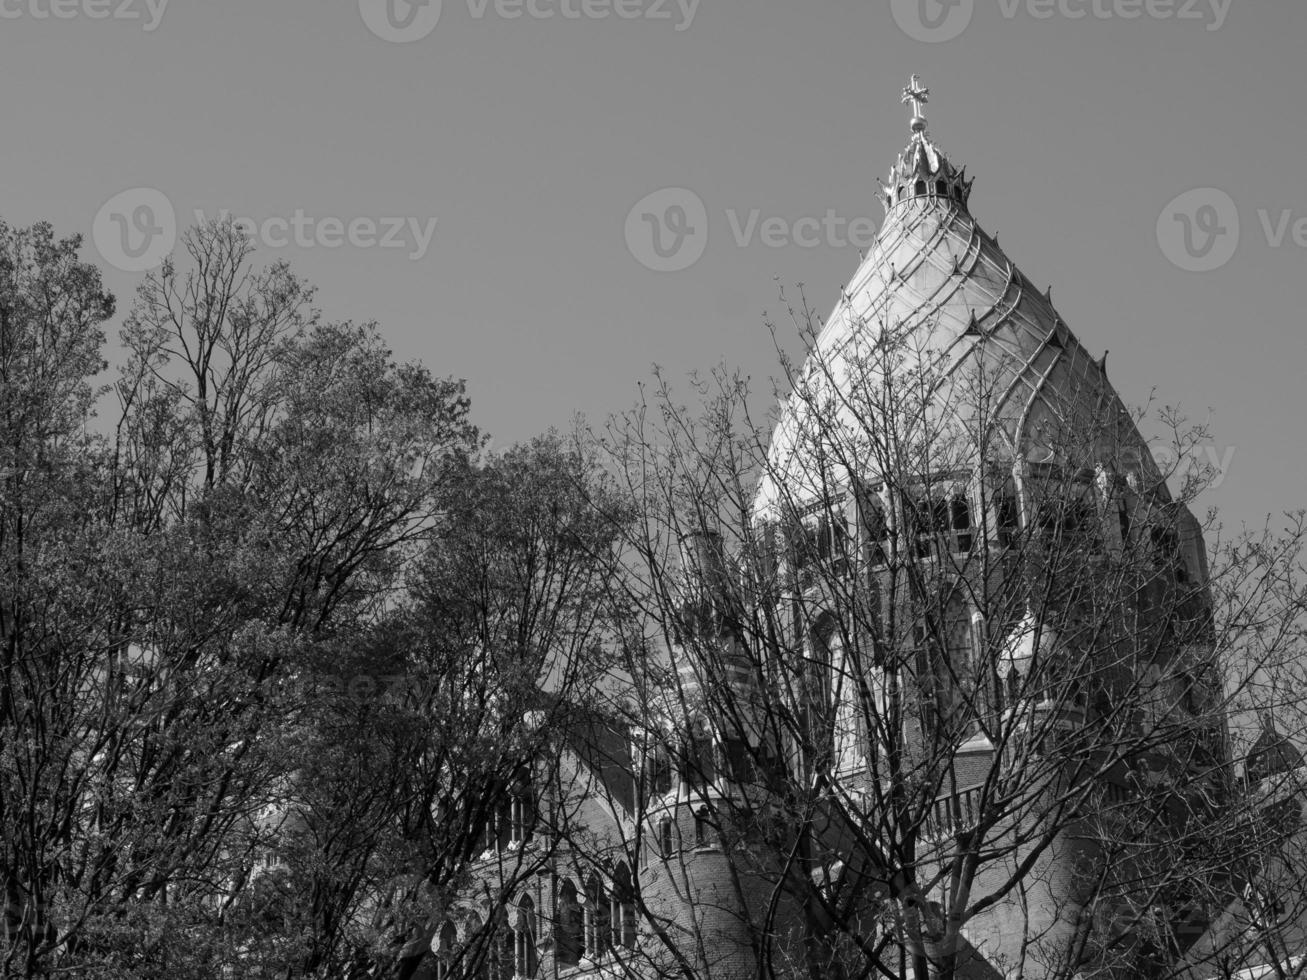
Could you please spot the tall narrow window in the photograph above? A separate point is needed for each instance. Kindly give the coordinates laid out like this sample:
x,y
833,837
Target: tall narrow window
x,y
702,827
700,756
476,955
959,514
526,959
739,760
1123,519
666,842
819,710
875,527
622,916
1007,518
446,945
569,926
522,809
658,769
596,919
504,950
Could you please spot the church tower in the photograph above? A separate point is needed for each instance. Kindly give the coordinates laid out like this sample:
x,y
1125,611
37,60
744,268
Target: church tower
x,y
708,756
1036,592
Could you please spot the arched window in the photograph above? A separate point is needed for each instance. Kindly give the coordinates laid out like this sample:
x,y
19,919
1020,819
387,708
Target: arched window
x,y
569,926
941,188
1124,523
1014,686
622,909
522,809
959,512
498,826
702,827
666,841
1008,518
503,959
921,188
1002,514
476,958
738,760
596,919
821,672
658,768
700,757
526,961
445,947
875,526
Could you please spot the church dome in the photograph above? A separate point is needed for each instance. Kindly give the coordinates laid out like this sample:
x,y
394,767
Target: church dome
x,y
938,309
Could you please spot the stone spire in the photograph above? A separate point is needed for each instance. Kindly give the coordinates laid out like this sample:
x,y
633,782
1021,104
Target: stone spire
x,y
922,173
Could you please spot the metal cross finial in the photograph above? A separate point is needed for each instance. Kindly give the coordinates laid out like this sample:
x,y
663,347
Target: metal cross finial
x,y
915,94
918,96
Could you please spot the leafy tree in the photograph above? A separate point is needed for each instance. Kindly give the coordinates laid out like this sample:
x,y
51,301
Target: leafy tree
x,y
168,587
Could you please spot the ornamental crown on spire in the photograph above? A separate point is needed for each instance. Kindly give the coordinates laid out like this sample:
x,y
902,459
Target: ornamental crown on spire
x,y
922,173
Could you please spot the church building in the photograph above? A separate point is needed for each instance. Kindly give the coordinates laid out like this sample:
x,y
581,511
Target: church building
x,y
944,705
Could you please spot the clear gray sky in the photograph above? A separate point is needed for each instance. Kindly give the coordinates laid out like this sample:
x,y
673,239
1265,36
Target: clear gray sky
x,y
530,139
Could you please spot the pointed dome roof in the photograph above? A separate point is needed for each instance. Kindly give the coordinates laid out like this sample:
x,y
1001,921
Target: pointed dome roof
x,y
937,300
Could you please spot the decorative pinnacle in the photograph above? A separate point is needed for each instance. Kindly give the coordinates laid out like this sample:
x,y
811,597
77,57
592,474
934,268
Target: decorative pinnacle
x,y
918,97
